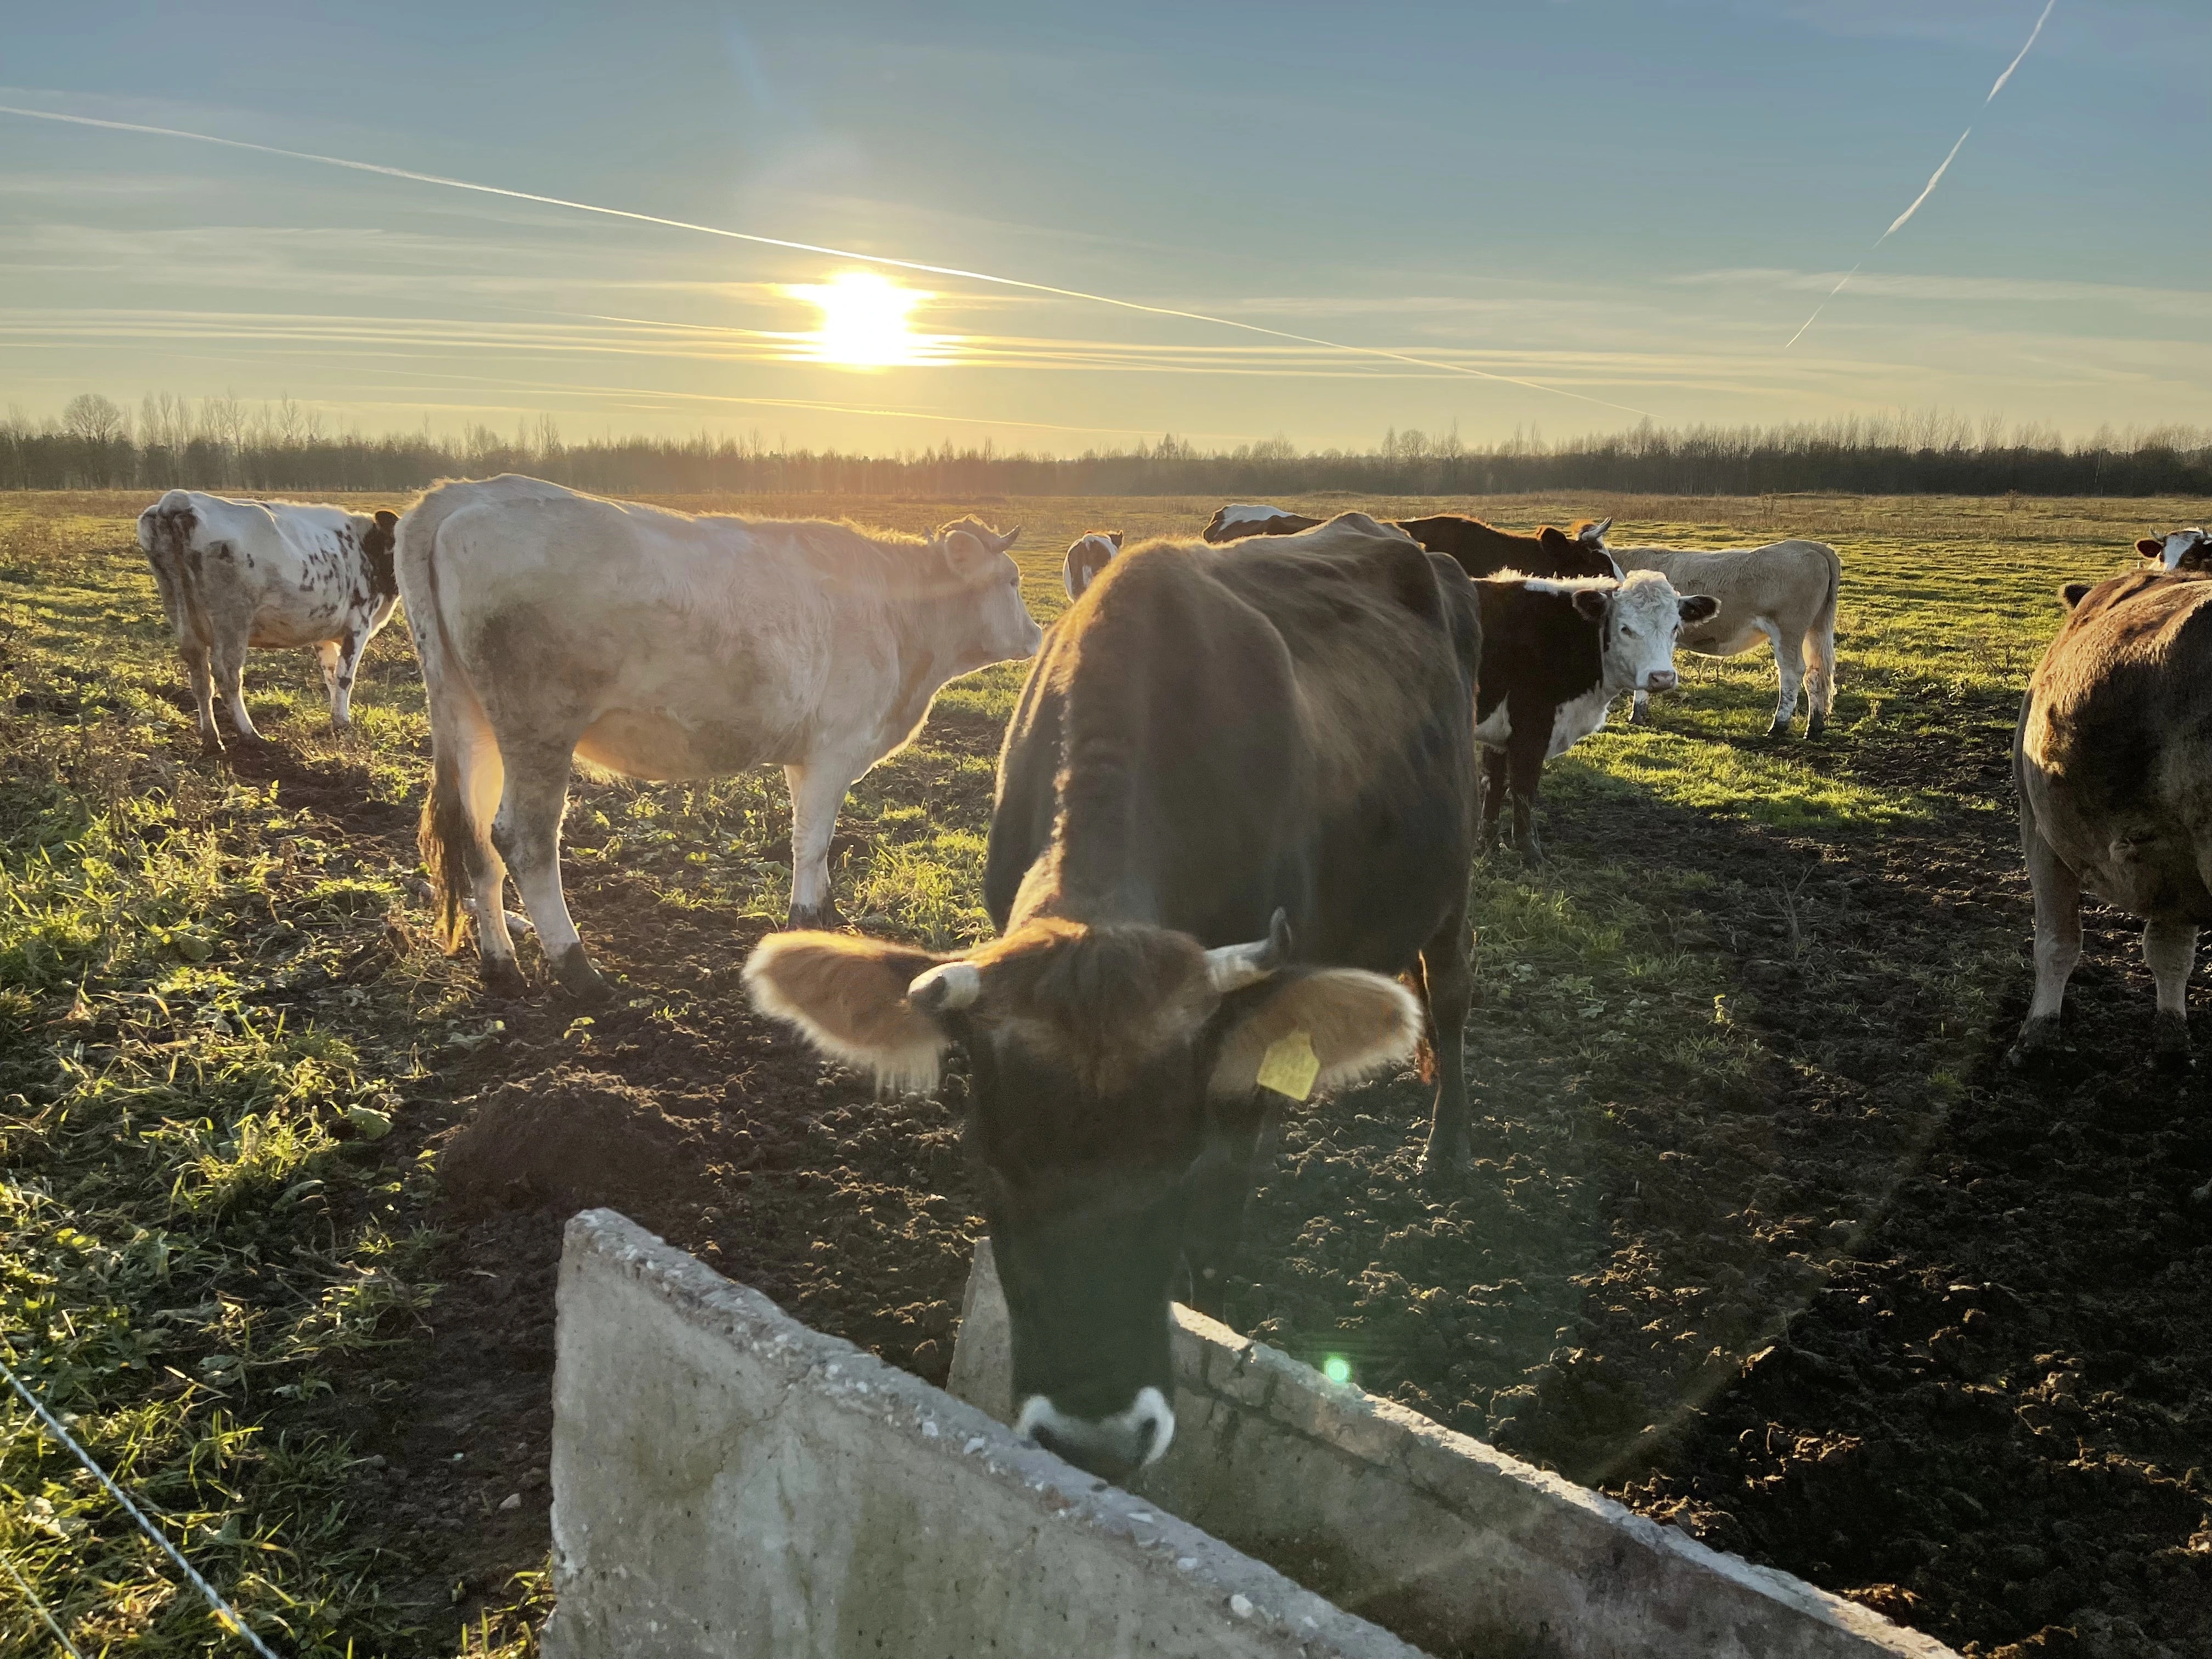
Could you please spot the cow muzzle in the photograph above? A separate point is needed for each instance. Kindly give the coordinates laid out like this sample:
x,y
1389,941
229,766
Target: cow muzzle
x,y
1662,680
1113,1447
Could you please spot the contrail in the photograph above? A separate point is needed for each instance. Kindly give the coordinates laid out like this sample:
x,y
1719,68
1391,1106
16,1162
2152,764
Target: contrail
x,y
1934,178
803,247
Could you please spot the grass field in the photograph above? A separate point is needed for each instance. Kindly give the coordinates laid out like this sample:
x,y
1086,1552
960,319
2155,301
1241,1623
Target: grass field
x,y
224,1248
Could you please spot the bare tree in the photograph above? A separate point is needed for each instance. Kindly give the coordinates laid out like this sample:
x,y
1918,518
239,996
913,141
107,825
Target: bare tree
x,y
94,419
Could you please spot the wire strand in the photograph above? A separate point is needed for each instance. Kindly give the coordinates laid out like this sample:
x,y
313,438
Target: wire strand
x,y
226,1615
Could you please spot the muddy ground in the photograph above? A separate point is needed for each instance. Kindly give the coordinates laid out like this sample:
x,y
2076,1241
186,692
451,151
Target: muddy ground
x,y
1876,1310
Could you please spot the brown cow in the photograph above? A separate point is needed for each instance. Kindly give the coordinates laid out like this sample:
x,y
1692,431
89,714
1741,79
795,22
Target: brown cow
x,y
2184,549
1086,556
1236,802
1481,549
2115,786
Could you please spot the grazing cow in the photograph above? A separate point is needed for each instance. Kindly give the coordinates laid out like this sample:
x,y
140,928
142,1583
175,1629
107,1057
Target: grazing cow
x,y
2184,549
658,645
1555,653
1481,549
2115,786
1086,556
1236,801
1783,593
271,575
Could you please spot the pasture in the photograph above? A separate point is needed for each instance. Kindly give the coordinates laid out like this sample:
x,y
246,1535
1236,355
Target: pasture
x,y
1761,1237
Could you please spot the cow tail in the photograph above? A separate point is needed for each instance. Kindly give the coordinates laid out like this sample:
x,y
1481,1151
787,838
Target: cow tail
x,y
456,849
1821,638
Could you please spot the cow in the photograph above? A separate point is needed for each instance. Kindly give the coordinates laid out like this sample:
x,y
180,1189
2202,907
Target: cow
x,y
272,575
1783,593
1235,805
2184,549
1481,549
659,645
1086,556
2115,789
1556,653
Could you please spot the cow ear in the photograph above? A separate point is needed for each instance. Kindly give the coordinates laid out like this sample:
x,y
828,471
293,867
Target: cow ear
x,y
385,518
1590,602
2073,593
1698,607
1552,538
963,548
1317,1028
2151,548
1115,537
850,998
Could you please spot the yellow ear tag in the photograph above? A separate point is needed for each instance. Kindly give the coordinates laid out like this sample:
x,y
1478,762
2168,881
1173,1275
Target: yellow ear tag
x,y
1290,1066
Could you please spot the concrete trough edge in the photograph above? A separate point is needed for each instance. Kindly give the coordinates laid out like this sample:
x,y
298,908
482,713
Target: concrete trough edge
x,y
1255,1601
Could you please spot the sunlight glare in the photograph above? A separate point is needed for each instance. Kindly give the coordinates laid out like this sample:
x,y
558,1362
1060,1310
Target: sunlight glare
x,y
865,322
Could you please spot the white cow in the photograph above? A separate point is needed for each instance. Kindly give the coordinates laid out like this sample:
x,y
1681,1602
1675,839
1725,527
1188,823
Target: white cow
x,y
271,574
658,645
1783,593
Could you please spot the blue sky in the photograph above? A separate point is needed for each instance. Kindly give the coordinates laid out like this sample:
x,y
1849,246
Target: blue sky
x,y
1632,203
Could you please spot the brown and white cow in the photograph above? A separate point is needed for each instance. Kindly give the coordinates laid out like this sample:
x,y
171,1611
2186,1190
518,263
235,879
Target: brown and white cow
x,y
1086,556
1480,550
2115,783
1783,593
1236,802
1555,654
2183,550
270,575
661,645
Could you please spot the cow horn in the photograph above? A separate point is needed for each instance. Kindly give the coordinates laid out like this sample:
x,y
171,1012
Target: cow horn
x,y
1233,967
1596,533
1009,538
948,986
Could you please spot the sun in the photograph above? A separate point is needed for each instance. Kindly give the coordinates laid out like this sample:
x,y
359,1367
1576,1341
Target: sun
x,y
865,322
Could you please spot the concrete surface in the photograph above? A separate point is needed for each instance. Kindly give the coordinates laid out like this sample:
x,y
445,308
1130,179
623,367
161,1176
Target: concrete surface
x,y
727,1482
1449,1542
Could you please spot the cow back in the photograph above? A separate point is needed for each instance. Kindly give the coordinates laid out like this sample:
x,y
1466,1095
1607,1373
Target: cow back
x,y
1483,549
1209,735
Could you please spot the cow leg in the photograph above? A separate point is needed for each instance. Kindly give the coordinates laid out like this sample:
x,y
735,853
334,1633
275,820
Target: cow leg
x,y
196,668
1448,978
1789,676
2169,946
326,659
347,654
527,833
1494,797
1217,1193
1526,756
1640,711
230,676
2058,941
817,790
1819,677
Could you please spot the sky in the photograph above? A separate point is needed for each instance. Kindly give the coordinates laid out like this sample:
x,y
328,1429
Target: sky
x,y
1623,208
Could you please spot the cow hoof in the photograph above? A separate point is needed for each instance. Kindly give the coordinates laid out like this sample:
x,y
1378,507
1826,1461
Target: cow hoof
x,y
1816,727
2038,1042
1443,1167
823,915
1779,729
578,977
503,978
2170,1050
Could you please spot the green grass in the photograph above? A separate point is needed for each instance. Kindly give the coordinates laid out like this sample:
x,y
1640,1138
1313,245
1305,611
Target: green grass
x,y
208,1258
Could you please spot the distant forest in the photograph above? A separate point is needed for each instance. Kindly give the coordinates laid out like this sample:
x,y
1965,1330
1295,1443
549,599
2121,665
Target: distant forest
x,y
221,443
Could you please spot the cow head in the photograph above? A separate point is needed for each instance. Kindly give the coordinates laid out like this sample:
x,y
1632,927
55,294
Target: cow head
x,y
1086,556
377,542
998,626
1109,1064
1580,551
2184,549
1639,621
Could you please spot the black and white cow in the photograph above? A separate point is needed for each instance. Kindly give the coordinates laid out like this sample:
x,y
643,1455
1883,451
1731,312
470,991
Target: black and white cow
x,y
1236,805
267,574
1555,654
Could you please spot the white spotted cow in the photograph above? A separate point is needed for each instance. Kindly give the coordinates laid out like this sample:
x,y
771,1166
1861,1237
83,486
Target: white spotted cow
x,y
271,575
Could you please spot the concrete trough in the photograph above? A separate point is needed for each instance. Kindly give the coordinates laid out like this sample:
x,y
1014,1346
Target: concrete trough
x,y
726,1482
1449,1542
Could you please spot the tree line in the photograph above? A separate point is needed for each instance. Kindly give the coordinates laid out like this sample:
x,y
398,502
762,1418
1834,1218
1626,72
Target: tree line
x,y
222,443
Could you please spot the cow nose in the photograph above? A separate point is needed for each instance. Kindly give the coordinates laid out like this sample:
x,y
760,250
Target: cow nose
x,y
1113,1447
1661,679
